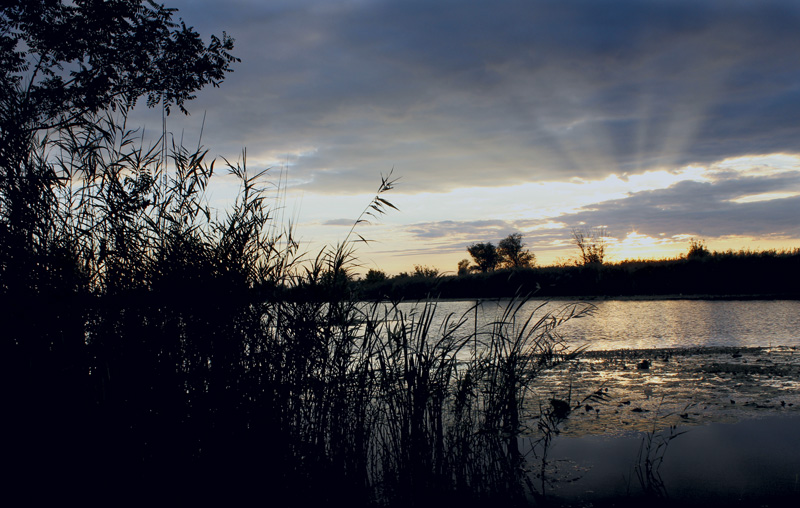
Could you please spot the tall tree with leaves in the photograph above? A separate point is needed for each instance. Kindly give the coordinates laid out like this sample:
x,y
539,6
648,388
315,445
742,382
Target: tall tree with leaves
x,y
62,61
513,253
485,256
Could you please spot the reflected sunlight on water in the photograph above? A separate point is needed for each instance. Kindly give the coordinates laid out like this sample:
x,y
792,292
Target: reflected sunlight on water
x,y
644,324
706,361
721,377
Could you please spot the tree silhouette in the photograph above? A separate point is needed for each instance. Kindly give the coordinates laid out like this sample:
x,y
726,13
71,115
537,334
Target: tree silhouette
x,y
61,62
95,230
513,253
425,271
65,66
592,245
375,276
485,256
697,249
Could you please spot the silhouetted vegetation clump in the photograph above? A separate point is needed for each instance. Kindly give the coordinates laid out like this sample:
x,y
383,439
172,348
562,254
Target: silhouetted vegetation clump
x,y
162,345
485,256
510,252
513,253
592,245
697,249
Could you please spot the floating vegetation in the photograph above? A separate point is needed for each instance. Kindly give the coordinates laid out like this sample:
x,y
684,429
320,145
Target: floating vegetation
x,y
758,380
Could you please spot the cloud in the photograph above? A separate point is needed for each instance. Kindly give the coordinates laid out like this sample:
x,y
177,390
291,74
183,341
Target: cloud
x,y
339,222
449,228
702,208
714,208
527,98
468,93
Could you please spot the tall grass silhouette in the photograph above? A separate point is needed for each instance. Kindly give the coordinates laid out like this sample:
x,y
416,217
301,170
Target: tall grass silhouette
x,y
153,340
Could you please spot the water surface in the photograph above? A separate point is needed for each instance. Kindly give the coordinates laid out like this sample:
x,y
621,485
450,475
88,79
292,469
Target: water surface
x,y
647,324
724,373
754,460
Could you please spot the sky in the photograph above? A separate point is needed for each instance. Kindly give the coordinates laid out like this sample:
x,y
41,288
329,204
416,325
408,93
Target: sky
x,y
659,120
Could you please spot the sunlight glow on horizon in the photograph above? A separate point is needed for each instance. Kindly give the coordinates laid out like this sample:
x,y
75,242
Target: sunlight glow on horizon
x,y
434,229
639,246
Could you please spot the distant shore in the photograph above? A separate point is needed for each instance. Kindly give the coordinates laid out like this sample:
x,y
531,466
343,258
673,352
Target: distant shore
x,y
745,275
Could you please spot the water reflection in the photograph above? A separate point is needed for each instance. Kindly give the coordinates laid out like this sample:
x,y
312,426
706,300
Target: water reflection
x,y
637,324
753,460
665,367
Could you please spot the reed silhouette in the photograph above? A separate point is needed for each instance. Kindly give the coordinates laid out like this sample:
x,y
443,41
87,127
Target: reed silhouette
x,y
155,346
154,341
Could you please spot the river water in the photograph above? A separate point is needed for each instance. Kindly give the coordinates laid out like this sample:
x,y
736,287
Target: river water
x,y
647,324
724,380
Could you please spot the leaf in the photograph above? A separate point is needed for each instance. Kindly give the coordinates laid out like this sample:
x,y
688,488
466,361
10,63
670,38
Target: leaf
x,y
390,205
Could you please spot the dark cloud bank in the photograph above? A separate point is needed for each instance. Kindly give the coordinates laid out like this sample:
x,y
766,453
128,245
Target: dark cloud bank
x,y
459,93
495,93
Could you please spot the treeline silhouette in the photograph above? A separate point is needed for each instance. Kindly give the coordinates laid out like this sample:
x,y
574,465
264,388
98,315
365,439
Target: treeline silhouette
x,y
764,274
